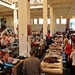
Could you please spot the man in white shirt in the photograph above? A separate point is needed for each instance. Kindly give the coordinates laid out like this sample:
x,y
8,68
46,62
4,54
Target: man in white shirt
x,y
3,42
12,39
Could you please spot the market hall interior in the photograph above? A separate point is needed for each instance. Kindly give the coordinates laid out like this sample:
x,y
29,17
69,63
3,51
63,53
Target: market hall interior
x,y
22,19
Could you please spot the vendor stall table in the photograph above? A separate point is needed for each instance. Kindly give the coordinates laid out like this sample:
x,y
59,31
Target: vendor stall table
x,y
18,68
52,62
55,68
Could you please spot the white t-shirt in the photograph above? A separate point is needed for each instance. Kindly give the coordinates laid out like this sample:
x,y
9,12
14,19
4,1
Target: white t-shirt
x,y
73,58
3,42
12,39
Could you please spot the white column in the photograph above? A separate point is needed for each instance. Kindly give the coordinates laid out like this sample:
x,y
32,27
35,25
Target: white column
x,y
15,21
0,22
51,21
23,21
28,22
60,21
28,12
33,24
44,18
37,21
54,22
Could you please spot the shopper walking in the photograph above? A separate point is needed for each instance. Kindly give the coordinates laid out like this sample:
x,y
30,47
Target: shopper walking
x,y
67,51
31,65
72,56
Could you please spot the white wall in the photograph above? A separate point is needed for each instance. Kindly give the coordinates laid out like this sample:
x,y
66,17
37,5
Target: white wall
x,y
36,27
61,27
9,21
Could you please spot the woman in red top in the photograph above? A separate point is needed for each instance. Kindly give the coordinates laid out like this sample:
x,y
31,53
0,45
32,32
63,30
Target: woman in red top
x,y
48,35
67,51
70,59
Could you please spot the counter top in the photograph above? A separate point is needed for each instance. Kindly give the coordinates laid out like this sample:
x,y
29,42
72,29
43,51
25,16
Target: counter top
x,y
55,68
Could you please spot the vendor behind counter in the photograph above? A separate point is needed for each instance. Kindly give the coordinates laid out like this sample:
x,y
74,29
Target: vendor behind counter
x,y
5,61
48,42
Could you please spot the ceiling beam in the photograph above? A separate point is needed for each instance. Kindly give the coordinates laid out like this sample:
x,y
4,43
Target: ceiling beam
x,y
49,2
57,11
6,13
61,10
70,10
63,5
59,1
4,9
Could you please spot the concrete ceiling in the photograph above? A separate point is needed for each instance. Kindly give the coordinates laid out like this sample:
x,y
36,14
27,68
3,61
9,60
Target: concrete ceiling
x,y
65,8
4,11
